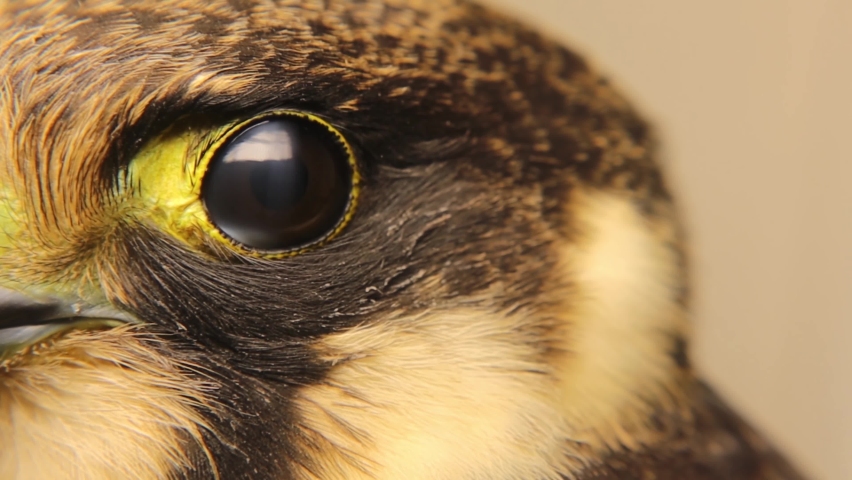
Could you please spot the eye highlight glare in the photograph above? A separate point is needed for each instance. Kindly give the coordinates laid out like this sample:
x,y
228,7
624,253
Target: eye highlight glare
x,y
280,183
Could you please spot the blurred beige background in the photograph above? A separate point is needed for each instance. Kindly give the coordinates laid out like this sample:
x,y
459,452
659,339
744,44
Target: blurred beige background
x,y
753,100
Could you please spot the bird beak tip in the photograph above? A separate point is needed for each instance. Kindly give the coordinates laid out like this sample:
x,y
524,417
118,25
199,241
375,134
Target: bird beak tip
x,y
26,320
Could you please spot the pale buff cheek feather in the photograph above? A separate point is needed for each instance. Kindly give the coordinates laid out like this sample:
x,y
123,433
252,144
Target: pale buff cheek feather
x,y
621,324
465,394
443,395
97,405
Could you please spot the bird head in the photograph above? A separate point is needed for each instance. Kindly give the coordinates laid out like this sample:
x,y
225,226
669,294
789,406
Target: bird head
x,y
323,239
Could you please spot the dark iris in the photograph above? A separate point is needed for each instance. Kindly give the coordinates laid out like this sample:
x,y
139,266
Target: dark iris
x,y
279,184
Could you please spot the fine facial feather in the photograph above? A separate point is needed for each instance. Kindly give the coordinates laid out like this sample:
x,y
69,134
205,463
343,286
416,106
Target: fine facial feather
x,y
514,268
100,405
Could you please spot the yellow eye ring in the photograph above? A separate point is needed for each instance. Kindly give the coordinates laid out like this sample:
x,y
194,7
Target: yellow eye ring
x,y
278,184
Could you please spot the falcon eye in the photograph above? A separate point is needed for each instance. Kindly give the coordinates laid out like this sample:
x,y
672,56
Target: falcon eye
x,y
280,183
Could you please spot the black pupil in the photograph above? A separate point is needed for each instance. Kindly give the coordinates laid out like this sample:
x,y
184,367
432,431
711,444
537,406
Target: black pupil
x,y
279,184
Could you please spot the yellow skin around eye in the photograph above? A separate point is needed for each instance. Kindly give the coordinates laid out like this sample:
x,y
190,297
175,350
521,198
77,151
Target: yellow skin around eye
x,y
166,188
10,223
166,178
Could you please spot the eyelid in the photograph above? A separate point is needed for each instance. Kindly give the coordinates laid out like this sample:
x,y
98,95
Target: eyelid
x,y
198,154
